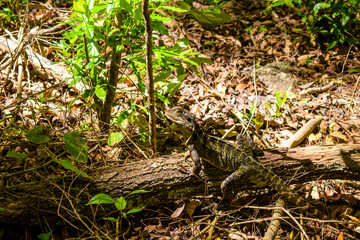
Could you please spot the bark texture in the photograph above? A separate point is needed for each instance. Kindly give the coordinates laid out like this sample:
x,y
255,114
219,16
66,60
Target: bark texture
x,y
165,177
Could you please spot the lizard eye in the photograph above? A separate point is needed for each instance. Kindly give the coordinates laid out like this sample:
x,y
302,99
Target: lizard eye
x,y
187,118
190,119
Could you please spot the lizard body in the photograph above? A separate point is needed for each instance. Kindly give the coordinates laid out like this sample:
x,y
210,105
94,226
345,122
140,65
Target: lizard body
x,y
238,159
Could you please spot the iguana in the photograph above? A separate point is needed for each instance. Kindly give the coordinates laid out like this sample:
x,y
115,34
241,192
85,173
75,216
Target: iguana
x,y
236,158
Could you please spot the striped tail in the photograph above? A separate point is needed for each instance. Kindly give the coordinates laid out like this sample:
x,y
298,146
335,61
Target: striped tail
x,y
279,185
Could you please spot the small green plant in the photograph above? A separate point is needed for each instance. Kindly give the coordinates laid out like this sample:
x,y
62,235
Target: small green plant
x,y
247,116
10,14
253,116
281,97
263,28
74,143
249,29
335,19
119,203
16,155
45,236
308,60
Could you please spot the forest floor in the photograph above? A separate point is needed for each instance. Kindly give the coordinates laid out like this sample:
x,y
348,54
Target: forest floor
x,y
294,82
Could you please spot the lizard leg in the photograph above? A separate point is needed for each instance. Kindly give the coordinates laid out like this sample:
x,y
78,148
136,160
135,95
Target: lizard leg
x,y
244,142
235,177
195,157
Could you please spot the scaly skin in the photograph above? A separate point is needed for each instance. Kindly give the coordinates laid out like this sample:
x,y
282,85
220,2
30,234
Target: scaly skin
x,y
238,159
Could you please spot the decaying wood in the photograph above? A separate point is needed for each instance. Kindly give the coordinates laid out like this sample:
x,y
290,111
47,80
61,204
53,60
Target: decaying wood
x,y
166,178
42,64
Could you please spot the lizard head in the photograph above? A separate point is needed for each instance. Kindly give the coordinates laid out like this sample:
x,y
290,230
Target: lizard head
x,y
182,118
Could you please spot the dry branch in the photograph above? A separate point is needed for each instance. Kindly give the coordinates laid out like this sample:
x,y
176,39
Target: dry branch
x,y
150,76
302,133
42,64
167,178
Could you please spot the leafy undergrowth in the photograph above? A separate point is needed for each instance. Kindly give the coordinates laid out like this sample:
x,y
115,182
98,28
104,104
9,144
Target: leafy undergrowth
x,y
227,95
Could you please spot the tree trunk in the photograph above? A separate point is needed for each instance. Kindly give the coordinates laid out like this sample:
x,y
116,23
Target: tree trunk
x,y
165,177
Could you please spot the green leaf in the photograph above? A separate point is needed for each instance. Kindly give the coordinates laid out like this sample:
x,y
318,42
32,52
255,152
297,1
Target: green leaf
x,y
332,44
345,19
201,60
120,203
16,155
276,3
101,93
134,210
267,106
162,76
174,9
114,138
158,26
123,116
297,30
68,165
99,8
174,85
101,198
159,18
354,70
183,5
278,99
211,19
78,6
125,4
45,236
76,146
180,45
253,109
90,65
209,42
239,115
37,135
143,108
138,191
112,219
162,98
319,6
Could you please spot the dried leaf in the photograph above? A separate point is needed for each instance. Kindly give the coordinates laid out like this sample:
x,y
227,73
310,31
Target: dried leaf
x,y
315,137
352,218
339,135
178,211
341,236
228,134
332,195
329,140
315,193
190,207
220,88
259,120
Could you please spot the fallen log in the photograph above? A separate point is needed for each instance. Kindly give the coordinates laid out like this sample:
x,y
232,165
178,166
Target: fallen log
x,y
166,178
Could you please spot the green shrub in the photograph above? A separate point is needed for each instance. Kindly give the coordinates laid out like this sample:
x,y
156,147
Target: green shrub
x,y
334,19
104,29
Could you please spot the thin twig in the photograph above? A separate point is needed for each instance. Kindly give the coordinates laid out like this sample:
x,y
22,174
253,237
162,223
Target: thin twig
x,y
194,96
213,223
21,45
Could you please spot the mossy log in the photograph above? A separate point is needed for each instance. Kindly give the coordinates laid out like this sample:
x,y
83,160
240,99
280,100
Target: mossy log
x,y
167,179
